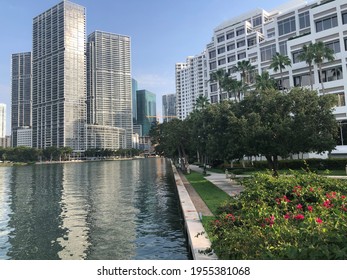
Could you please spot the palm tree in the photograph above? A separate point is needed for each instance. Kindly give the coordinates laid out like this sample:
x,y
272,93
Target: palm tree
x,y
321,53
229,87
201,102
239,88
245,68
279,62
219,76
307,55
264,81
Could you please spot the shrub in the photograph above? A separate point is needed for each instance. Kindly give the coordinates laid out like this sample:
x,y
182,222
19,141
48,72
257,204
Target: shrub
x,y
303,216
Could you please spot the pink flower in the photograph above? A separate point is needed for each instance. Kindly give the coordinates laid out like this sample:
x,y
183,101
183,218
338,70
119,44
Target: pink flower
x,y
327,204
319,221
309,208
299,217
343,196
299,207
286,216
231,216
270,221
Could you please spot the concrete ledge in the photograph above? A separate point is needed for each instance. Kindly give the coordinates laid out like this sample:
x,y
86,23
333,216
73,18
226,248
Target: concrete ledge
x,y
197,237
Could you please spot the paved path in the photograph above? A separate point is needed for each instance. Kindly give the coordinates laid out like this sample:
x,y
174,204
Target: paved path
x,y
231,187
199,204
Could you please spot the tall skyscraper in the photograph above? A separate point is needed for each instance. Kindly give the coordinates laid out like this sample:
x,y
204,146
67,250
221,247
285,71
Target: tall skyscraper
x,y
59,77
146,110
21,100
134,89
169,107
109,95
2,120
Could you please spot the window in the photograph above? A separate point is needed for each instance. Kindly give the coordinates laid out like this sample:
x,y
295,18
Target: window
x,y
241,44
286,26
283,48
214,99
212,54
221,61
220,38
241,56
221,50
266,53
251,42
271,34
240,31
231,47
302,80
230,35
344,17
331,74
213,65
231,58
335,46
257,21
213,87
326,23
304,20
341,99
296,56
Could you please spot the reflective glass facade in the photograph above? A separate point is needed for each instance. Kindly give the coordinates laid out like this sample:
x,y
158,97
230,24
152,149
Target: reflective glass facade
x,y
59,77
109,94
20,94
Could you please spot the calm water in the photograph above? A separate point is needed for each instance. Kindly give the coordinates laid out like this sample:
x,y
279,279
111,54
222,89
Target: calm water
x,y
99,210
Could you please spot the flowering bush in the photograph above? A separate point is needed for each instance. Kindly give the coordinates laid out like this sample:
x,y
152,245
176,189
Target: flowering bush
x,y
290,217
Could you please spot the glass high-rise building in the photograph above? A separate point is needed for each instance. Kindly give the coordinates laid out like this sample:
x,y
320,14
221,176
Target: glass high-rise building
x,y
109,94
146,110
169,107
59,77
134,89
21,94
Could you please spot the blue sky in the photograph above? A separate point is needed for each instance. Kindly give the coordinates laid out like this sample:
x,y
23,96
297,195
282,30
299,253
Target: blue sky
x,y
163,32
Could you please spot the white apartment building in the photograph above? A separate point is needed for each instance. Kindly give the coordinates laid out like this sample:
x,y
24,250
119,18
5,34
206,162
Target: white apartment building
x,y
190,83
257,36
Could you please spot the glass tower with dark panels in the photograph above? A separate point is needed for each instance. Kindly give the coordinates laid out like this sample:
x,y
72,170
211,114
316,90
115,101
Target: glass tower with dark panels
x,y
134,89
146,110
109,95
59,77
169,107
20,94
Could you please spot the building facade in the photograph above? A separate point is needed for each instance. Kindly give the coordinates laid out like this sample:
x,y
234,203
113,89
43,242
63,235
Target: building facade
x,y
169,107
2,120
21,99
59,77
134,88
146,110
109,94
191,78
24,137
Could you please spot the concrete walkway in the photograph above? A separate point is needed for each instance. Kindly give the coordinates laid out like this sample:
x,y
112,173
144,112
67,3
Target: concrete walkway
x,y
230,186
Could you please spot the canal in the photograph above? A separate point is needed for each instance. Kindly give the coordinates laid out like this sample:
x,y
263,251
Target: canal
x,y
104,210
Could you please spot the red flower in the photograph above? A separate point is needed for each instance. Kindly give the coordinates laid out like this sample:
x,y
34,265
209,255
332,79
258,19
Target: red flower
x,y
286,216
327,204
319,221
309,208
270,221
299,217
285,199
299,207
311,189
331,195
343,196
231,216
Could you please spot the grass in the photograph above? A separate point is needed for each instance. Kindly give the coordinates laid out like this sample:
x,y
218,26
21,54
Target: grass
x,y
210,194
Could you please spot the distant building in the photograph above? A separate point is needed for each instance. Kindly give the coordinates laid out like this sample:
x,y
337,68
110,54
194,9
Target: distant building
x,y
5,142
169,107
21,98
133,90
109,95
191,79
59,77
146,110
2,120
105,137
24,137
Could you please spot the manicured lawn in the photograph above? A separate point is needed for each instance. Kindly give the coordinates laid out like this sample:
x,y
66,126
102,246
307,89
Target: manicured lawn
x,y
210,194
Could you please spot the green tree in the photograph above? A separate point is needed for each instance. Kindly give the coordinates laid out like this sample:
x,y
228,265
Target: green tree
x,y
201,102
279,63
219,76
307,55
264,81
322,53
246,69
